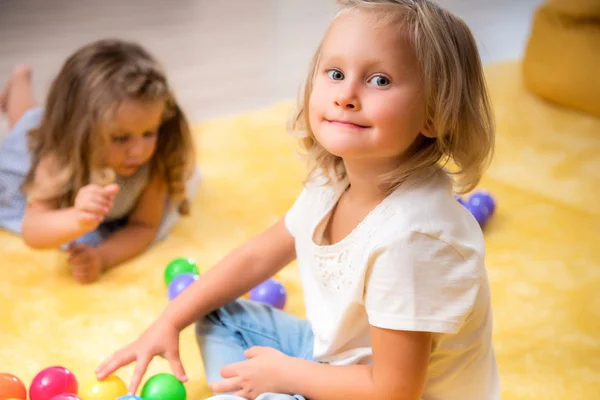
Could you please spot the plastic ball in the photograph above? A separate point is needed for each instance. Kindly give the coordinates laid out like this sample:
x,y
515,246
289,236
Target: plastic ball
x,y
163,387
483,199
66,396
107,389
179,266
51,382
480,214
180,283
270,292
11,387
129,397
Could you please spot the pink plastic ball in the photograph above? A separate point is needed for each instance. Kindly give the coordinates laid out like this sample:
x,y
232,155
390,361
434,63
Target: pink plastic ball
x,y
52,382
66,396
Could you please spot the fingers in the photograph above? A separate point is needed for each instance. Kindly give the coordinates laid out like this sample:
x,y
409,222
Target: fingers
x,y
86,217
253,351
96,204
177,367
227,385
141,366
229,371
113,363
96,199
80,257
111,189
85,277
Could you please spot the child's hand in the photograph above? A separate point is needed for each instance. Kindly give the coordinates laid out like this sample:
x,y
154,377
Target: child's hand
x,y
86,263
162,339
261,373
92,203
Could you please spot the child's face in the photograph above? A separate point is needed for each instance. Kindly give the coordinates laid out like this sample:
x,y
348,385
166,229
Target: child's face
x,y
367,98
133,135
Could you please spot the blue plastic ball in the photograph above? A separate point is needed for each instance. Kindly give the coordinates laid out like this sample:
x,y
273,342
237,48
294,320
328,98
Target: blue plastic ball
x,y
480,213
270,292
129,397
483,199
180,283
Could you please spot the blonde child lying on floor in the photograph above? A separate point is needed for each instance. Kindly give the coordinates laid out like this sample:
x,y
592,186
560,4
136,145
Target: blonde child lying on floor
x,y
105,167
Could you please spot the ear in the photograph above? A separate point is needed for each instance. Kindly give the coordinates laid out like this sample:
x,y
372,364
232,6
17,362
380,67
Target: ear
x,y
428,130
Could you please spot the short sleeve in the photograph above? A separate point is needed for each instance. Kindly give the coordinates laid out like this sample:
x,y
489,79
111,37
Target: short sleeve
x,y
296,214
421,283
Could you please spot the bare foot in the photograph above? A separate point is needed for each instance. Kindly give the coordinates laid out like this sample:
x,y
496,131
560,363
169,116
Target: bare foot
x,y
21,71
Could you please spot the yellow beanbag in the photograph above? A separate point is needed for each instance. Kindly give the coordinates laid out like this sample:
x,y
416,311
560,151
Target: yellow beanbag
x,y
562,57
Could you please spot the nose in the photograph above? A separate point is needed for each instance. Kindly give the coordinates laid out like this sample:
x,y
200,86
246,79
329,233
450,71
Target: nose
x,y
136,150
347,97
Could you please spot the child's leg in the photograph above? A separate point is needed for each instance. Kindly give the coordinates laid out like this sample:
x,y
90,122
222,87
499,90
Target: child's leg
x,y
226,333
264,396
17,95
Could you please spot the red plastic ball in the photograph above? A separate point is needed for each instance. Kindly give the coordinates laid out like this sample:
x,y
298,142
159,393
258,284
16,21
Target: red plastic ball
x,y
52,382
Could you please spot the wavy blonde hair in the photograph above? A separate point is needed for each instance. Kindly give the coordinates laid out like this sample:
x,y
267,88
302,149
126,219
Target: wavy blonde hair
x,y
88,90
457,105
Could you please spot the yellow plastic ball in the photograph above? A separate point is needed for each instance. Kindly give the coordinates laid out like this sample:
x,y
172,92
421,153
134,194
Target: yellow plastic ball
x,y
108,389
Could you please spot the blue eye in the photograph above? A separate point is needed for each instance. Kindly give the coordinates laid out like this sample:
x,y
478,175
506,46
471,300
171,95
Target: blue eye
x,y
335,74
379,80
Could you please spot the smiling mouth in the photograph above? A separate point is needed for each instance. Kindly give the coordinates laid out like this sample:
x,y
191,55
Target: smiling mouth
x,y
345,124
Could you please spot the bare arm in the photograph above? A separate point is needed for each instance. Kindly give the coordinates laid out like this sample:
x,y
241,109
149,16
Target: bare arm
x,y
141,227
400,360
244,268
247,266
46,227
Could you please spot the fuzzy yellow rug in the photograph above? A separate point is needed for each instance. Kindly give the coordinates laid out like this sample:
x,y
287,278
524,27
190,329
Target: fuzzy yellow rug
x,y
543,252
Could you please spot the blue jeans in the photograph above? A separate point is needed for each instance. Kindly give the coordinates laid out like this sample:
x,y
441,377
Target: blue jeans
x,y
226,333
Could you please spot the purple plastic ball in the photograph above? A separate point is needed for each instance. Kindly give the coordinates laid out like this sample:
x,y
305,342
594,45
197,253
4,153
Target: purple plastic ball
x,y
483,199
270,292
180,283
480,213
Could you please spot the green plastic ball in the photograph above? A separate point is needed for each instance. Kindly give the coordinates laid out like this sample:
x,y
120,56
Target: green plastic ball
x,y
180,266
163,387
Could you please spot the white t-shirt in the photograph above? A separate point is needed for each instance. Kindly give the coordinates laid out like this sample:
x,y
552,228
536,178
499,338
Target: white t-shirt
x,y
415,263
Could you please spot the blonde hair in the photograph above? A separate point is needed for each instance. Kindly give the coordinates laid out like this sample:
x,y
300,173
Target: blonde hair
x,y
456,100
86,93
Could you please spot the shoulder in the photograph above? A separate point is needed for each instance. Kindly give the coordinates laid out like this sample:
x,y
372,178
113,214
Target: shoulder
x,y
427,209
315,199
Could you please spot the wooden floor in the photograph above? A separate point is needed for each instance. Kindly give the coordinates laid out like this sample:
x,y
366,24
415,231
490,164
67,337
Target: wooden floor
x,y
223,56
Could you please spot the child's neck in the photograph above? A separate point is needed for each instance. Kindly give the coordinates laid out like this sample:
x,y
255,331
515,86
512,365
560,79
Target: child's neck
x,y
365,181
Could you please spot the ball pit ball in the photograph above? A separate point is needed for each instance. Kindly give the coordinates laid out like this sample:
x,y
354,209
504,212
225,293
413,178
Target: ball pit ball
x,y
129,397
180,283
163,387
108,389
179,266
66,396
271,292
11,387
51,382
483,199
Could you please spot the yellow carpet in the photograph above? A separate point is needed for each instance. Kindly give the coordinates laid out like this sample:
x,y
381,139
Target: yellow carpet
x,y
543,252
